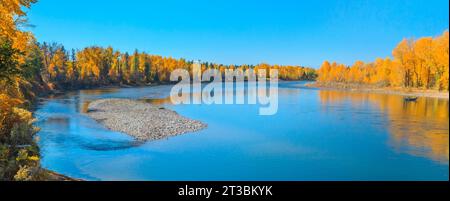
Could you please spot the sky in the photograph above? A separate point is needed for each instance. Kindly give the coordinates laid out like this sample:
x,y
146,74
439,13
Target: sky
x,y
300,32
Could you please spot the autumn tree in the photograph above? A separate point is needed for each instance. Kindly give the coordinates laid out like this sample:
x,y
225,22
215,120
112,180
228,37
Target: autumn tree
x,y
19,65
421,63
125,67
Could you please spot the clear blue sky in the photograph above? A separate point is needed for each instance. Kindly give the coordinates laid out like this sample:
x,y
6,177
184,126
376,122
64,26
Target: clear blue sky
x,y
238,32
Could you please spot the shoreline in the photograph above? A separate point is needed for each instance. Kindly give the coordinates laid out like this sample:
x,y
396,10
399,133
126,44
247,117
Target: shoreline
x,y
428,93
54,176
140,120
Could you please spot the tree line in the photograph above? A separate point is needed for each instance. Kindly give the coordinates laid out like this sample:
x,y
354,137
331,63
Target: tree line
x,y
421,63
93,66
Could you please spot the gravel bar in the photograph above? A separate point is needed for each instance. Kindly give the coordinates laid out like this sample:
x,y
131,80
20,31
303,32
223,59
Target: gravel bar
x,y
141,120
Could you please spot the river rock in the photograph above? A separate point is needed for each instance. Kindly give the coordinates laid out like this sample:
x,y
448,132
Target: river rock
x,y
141,120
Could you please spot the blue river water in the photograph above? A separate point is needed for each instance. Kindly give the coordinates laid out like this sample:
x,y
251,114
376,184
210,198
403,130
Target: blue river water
x,y
315,135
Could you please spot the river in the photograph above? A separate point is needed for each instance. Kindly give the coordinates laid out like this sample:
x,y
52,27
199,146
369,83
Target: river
x,y
315,135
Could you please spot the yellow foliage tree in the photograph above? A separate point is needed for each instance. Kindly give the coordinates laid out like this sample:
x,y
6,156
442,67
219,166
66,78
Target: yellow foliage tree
x,y
421,63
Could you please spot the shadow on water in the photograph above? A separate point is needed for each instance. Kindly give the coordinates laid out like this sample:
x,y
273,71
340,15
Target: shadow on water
x,y
157,101
110,145
96,92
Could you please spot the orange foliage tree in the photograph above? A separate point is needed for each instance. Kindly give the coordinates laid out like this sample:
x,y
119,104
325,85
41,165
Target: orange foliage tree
x,y
421,63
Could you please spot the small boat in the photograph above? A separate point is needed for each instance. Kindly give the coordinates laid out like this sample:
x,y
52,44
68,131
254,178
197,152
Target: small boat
x,y
410,98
